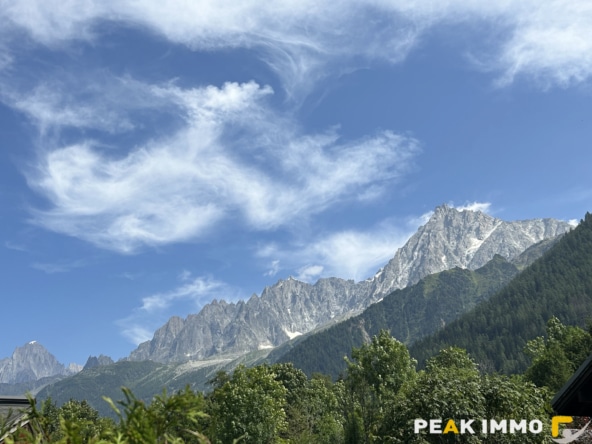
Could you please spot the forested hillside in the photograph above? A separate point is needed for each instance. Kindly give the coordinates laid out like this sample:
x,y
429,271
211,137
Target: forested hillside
x,y
496,331
408,314
454,305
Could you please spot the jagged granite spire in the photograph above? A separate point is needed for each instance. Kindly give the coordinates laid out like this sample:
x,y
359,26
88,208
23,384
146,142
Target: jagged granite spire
x,y
466,239
30,363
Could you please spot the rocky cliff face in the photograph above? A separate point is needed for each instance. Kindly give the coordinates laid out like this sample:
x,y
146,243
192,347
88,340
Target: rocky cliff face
x,y
466,239
97,361
30,362
450,238
282,312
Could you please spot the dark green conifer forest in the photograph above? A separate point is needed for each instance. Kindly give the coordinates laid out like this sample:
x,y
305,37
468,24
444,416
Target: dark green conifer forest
x,y
409,314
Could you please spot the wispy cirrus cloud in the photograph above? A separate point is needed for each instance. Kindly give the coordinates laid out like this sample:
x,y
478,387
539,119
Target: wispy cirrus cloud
x,y
231,153
15,246
348,254
175,188
58,267
85,100
273,269
197,289
140,325
551,43
296,39
309,273
305,41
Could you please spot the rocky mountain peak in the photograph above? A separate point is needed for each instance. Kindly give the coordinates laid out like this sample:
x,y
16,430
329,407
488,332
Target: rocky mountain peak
x,y
30,362
97,361
461,238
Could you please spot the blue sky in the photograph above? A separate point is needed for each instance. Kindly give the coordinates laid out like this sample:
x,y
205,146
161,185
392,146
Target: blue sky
x,y
156,157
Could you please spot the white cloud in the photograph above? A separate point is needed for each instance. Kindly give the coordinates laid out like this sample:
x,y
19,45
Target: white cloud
x,y
140,325
274,267
348,254
296,39
309,273
305,41
15,246
484,207
231,156
48,107
360,254
53,22
85,100
199,289
57,267
551,42
137,334
416,222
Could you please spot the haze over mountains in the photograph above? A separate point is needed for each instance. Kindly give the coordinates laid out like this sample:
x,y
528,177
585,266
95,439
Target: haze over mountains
x,y
450,238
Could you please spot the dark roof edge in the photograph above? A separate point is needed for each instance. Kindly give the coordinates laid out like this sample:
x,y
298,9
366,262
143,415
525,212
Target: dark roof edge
x,y
571,387
14,400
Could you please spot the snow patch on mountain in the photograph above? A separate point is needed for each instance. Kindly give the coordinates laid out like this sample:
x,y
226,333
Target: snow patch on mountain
x,y
292,334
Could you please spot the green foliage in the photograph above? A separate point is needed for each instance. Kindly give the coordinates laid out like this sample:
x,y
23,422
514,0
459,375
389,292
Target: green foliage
x,y
377,402
73,423
451,387
79,415
166,419
558,357
384,365
315,413
249,407
513,397
374,379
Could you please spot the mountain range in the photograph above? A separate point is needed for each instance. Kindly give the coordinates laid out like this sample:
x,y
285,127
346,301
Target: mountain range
x,y
450,238
223,334
491,311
